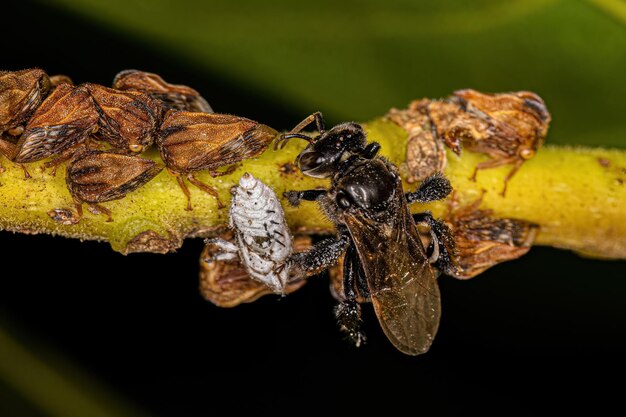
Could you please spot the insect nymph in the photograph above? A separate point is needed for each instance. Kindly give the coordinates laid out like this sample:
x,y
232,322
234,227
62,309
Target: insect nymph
x,y
385,260
263,239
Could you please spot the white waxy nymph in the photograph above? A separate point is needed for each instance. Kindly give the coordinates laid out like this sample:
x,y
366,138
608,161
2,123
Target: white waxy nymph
x,y
262,237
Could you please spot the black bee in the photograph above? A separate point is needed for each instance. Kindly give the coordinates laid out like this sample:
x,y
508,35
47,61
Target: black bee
x,y
385,260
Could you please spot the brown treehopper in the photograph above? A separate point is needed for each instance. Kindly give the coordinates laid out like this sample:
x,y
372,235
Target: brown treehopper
x,y
190,142
177,97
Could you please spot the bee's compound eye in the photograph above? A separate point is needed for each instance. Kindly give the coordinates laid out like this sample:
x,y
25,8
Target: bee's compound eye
x,y
310,160
343,200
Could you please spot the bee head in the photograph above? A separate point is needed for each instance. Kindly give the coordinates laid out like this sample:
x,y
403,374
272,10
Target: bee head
x,y
322,156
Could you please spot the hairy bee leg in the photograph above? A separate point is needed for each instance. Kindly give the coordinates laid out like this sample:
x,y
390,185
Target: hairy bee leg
x,y
229,251
349,275
320,257
436,187
361,284
444,239
348,312
206,188
348,315
294,197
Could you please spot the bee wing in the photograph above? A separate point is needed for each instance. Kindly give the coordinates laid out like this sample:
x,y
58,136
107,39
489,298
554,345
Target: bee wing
x,y
402,284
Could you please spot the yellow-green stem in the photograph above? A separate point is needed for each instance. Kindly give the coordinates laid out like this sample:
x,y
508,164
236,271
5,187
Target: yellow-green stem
x,y
576,195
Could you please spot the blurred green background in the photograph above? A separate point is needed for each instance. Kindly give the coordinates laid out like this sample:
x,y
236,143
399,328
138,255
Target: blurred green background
x,y
356,59
87,332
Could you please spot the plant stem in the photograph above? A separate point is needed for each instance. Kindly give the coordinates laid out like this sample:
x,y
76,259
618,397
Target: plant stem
x,y
576,195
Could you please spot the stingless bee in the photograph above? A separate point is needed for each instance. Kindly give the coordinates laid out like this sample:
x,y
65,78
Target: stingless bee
x,y
385,260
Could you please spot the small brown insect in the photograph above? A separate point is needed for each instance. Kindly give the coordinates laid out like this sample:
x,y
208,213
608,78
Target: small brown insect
x,y
65,118
96,177
21,92
483,240
64,216
425,153
444,117
191,142
227,284
177,97
127,119
509,127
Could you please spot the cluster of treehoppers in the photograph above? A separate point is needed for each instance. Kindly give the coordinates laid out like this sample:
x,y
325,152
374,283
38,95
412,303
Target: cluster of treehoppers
x,y
45,117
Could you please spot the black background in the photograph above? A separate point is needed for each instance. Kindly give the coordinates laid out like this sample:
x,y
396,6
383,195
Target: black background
x,y
544,333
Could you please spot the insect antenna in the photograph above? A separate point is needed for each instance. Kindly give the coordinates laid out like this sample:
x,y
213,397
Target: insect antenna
x,y
283,139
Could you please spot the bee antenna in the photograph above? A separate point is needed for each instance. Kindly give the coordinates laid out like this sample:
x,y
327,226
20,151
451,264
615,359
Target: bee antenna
x,y
283,139
297,135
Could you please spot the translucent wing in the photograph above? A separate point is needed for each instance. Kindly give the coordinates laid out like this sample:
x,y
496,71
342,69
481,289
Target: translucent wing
x,y
402,284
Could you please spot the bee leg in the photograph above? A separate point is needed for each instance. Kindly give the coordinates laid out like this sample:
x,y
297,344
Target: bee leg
x,y
443,253
348,312
294,197
206,188
320,257
436,187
